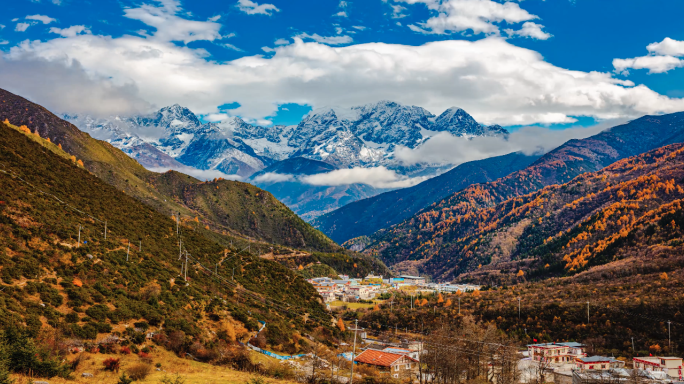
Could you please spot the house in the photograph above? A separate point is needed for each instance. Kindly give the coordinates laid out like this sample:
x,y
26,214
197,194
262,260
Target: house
x,y
670,365
362,292
415,280
597,363
396,365
328,296
402,351
360,332
556,352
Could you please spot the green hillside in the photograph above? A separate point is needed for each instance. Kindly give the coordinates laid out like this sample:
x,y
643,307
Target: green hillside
x,y
52,283
171,192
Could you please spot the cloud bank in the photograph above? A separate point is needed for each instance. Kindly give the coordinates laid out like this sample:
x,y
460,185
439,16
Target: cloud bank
x,y
493,80
663,57
444,148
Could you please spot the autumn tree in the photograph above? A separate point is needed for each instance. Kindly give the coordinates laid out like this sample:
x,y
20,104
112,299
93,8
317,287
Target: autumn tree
x,y
301,267
448,303
340,324
440,299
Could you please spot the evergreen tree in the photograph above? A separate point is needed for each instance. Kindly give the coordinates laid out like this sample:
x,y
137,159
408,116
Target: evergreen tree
x,y
4,364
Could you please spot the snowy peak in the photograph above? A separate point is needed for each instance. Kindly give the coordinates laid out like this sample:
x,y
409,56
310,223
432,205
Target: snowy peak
x,y
388,122
176,118
457,122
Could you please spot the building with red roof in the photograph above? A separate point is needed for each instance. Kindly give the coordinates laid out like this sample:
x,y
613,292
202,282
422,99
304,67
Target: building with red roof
x,y
397,365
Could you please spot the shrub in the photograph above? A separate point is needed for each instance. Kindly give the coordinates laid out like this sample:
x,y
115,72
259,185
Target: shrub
x,y
125,379
125,351
112,364
178,379
139,371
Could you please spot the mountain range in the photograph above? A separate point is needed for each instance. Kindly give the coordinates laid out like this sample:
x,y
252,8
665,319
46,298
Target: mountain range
x,y
246,214
365,217
364,136
437,239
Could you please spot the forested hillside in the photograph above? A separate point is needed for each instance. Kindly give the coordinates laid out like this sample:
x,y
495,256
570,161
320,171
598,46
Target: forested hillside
x,y
51,282
630,208
364,217
170,193
429,242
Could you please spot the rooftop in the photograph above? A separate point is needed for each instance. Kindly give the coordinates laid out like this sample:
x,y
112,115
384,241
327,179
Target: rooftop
x,y
381,358
595,359
571,344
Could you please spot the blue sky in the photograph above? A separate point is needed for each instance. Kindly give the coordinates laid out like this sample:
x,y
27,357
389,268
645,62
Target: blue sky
x,y
581,35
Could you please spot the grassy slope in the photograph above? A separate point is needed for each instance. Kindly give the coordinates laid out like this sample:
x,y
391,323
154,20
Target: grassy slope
x,y
402,243
364,217
192,372
117,169
38,244
245,209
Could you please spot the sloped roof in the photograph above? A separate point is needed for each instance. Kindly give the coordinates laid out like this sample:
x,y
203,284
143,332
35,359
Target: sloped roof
x,y
595,359
381,358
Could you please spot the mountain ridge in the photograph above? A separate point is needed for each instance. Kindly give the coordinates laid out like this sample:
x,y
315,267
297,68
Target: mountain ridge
x,y
400,243
364,217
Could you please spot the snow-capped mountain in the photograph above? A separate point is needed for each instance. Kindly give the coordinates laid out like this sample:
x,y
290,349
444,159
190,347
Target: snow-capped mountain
x,y
364,136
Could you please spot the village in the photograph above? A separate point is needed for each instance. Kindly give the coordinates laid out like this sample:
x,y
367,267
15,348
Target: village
x,y
553,362
348,289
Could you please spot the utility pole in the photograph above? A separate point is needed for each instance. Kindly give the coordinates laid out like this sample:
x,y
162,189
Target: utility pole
x,y
105,231
79,235
351,376
140,245
669,346
459,305
233,277
518,307
587,313
177,222
128,251
186,266
632,345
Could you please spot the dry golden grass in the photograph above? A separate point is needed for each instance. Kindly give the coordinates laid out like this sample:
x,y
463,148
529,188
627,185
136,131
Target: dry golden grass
x,y
193,372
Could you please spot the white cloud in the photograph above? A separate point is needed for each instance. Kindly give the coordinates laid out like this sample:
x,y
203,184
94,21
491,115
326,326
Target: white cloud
x,y
272,177
359,27
2,26
378,177
71,89
530,29
209,174
478,16
330,40
342,6
267,49
282,42
493,80
71,31
667,47
214,18
21,27
398,11
4,42
216,117
444,148
171,27
42,18
662,58
253,8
